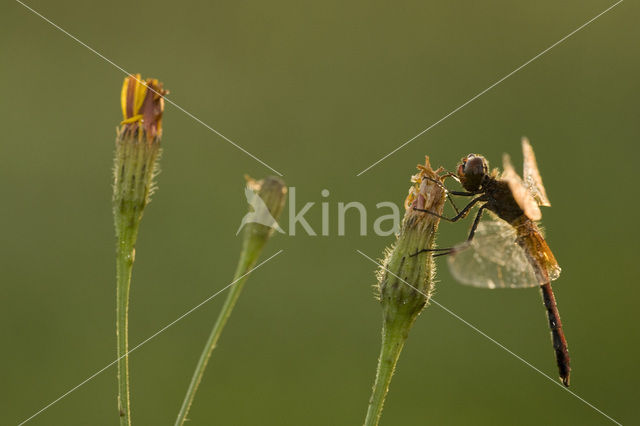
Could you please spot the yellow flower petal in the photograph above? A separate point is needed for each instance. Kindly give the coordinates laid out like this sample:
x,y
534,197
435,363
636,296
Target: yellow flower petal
x,y
132,97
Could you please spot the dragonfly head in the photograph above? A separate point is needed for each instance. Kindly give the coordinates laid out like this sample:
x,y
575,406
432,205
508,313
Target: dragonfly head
x,y
472,171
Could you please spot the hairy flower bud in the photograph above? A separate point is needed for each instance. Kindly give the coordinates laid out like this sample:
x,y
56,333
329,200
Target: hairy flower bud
x,y
137,144
418,232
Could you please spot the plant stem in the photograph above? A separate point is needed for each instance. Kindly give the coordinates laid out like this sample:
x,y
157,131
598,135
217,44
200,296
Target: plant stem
x,y
125,253
394,335
406,279
267,201
135,165
248,258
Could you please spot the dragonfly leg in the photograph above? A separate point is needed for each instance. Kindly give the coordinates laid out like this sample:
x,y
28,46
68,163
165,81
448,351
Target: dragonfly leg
x,y
444,251
463,193
476,221
461,215
467,243
440,184
452,203
449,174
436,181
447,191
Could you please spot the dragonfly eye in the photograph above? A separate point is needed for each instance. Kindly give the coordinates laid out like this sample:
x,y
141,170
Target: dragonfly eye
x,y
472,170
475,165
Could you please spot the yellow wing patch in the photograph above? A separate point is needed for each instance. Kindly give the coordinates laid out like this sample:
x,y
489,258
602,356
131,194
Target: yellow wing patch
x,y
531,175
520,191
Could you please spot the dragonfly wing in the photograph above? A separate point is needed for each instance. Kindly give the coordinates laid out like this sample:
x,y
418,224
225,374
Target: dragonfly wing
x,y
520,191
531,175
493,259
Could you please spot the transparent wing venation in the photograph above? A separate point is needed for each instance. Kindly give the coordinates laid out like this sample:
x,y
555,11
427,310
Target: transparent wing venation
x,y
531,175
493,259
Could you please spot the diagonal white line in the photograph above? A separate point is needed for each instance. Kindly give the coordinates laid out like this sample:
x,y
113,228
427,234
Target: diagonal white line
x,y
491,87
147,339
495,341
165,98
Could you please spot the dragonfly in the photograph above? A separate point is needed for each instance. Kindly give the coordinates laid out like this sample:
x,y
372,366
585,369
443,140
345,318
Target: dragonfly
x,y
509,249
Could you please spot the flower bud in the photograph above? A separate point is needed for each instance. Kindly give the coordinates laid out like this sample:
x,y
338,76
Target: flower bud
x,y
402,262
137,144
142,107
266,198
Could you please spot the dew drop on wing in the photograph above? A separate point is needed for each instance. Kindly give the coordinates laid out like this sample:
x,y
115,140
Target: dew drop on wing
x,y
554,272
493,259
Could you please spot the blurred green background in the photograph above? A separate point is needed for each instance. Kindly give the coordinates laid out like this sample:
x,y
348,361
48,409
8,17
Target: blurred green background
x,y
318,90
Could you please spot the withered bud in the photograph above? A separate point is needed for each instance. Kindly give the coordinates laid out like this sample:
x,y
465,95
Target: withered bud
x,y
403,261
266,198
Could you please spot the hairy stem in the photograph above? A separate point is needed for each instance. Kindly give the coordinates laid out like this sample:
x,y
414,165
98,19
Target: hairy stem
x,y
394,335
124,264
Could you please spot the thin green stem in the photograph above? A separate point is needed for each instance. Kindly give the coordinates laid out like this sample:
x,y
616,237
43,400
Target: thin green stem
x,y
248,258
125,253
266,208
135,165
394,335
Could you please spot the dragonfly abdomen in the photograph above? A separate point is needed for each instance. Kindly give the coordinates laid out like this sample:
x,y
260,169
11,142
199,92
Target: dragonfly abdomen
x,y
546,268
557,334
